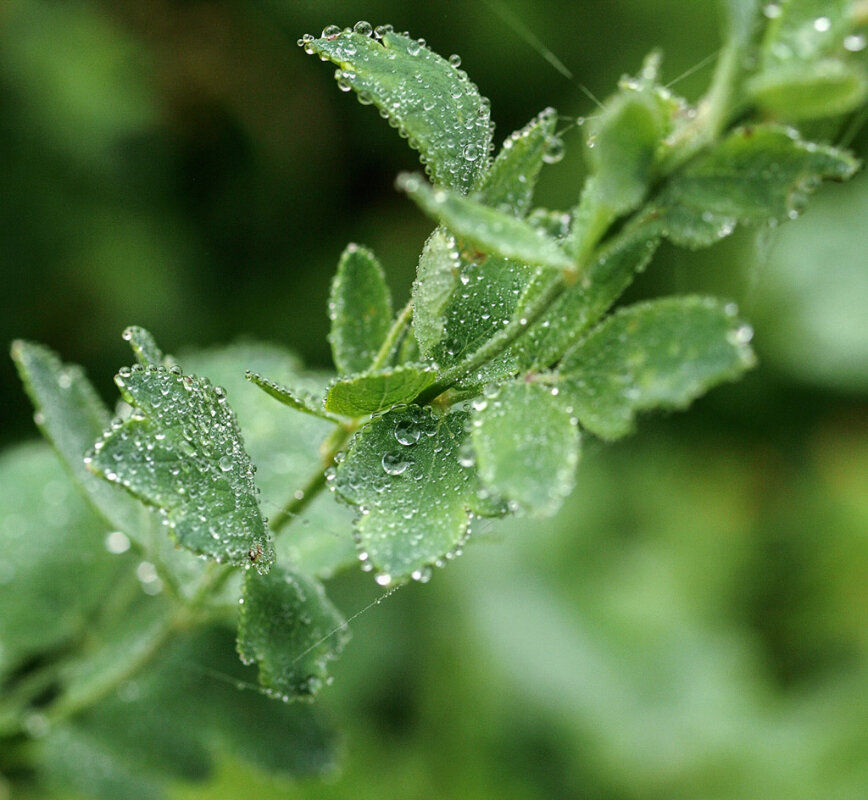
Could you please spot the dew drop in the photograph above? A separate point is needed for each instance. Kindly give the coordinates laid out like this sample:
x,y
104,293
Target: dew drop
x,y
395,462
383,579
117,542
330,31
471,152
363,27
854,43
455,60
554,150
225,463
822,24
407,432
422,575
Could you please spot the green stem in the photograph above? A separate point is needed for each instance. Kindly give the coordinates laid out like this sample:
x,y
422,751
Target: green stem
x,y
497,343
317,481
73,703
713,111
398,326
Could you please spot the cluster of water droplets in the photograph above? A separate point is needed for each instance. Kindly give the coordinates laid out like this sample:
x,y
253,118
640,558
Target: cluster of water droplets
x,y
819,33
406,475
181,450
432,103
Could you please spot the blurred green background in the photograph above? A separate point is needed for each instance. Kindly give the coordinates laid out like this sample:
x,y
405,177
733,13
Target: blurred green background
x,y
694,624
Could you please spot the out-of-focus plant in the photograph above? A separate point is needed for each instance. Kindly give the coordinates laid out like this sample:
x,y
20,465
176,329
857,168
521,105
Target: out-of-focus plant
x,y
468,402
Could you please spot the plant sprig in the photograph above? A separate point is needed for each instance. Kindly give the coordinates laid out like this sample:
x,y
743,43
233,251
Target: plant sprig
x,y
473,399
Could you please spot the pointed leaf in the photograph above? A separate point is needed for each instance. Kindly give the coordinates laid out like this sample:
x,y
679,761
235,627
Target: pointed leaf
x,y
510,182
484,228
755,175
436,278
182,452
660,354
377,391
297,399
405,472
290,628
432,103
360,309
71,416
527,447
285,448
145,347
622,147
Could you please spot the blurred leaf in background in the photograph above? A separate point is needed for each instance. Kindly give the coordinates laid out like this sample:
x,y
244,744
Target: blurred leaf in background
x,y
692,624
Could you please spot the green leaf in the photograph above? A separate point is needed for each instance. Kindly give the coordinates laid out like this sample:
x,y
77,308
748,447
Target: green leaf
x,y
406,473
377,391
436,278
486,229
432,103
509,184
360,309
757,174
622,147
294,398
741,19
527,447
459,304
660,354
285,448
71,416
179,717
181,451
145,347
54,567
806,30
583,303
289,627
485,299
74,760
800,91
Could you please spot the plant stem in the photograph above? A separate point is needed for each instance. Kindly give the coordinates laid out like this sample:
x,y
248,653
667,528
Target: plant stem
x,y
73,703
497,343
398,326
317,481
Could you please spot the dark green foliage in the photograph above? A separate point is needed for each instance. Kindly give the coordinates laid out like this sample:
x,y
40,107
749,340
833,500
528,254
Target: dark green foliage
x,y
291,630
470,402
